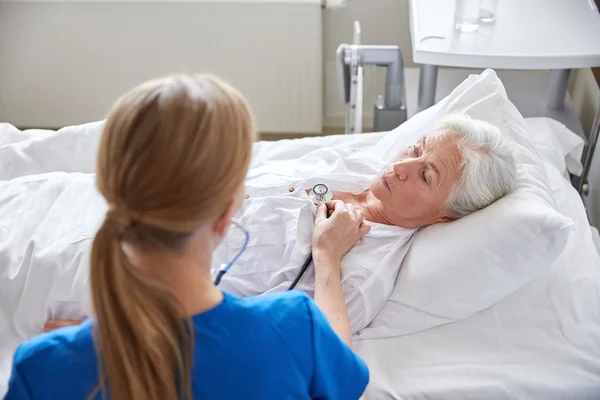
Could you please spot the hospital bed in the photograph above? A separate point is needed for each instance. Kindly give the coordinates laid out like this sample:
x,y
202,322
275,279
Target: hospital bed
x,y
540,342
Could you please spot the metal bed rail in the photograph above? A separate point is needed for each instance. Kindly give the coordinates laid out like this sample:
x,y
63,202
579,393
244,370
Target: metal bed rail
x,y
581,183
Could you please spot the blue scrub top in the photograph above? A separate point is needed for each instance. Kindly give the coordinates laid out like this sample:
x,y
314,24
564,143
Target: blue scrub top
x,y
277,346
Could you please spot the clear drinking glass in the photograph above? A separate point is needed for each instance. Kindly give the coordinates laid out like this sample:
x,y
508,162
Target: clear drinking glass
x,y
466,15
487,11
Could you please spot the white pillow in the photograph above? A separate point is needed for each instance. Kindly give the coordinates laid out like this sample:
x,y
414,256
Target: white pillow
x,y
557,144
456,269
31,152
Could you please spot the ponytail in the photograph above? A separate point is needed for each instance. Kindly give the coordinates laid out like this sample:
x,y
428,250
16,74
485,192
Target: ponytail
x,y
144,345
173,152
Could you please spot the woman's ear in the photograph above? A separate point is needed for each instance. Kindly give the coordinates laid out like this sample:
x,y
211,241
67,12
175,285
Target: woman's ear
x,y
223,222
442,220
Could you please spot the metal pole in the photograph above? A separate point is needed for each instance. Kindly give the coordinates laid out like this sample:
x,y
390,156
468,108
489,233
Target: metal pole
x,y
427,86
557,89
588,155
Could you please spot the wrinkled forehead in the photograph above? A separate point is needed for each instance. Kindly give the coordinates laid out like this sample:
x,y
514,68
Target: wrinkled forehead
x,y
439,134
441,150
433,138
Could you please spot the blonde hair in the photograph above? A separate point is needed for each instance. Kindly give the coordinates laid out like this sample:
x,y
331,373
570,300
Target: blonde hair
x,y
174,152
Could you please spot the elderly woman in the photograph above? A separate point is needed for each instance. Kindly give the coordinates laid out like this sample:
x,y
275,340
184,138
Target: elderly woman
x,y
462,166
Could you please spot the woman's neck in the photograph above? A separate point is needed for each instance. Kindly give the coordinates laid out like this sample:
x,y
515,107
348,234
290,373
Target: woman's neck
x,y
367,203
187,275
194,289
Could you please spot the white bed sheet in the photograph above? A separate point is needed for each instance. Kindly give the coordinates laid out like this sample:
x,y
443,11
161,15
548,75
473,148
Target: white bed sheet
x,y
540,343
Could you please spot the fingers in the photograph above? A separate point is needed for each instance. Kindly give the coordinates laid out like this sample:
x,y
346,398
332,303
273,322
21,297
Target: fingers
x,y
350,208
359,215
339,207
364,229
335,205
321,211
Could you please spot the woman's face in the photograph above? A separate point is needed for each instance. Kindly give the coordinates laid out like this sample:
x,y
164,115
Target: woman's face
x,y
415,186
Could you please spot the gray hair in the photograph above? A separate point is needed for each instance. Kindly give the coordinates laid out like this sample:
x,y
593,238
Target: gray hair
x,y
488,168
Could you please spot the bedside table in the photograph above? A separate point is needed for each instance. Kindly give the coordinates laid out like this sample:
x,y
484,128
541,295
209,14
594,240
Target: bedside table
x,y
555,35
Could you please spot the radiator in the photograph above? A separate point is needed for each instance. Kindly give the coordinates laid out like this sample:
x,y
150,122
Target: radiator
x,y
64,63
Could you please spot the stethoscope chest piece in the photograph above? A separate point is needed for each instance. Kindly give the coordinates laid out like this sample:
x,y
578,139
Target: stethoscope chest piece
x,y
320,194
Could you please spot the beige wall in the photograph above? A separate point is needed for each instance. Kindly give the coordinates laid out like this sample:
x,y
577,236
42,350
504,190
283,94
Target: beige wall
x,y
382,22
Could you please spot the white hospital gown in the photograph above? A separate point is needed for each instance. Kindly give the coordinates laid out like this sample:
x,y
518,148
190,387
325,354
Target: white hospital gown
x,y
279,216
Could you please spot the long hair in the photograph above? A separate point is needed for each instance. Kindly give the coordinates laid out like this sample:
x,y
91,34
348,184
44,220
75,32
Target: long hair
x,y
174,152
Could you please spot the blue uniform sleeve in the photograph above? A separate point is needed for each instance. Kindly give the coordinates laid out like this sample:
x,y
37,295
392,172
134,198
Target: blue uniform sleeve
x,y
17,387
338,372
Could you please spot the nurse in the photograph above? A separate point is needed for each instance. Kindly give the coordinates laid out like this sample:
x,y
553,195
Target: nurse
x,y
171,165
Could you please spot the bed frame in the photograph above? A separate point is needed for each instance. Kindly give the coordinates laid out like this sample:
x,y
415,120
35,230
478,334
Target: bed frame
x,y
581,183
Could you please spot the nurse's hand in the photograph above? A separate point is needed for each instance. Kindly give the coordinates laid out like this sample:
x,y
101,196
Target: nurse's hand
x,y
333,237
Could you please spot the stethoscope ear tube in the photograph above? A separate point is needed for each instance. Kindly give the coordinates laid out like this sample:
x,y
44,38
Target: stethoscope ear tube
x,y
224,268
302,271
222,272
319,194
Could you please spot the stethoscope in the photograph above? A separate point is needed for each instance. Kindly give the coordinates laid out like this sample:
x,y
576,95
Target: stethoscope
x,y
319,194
225,267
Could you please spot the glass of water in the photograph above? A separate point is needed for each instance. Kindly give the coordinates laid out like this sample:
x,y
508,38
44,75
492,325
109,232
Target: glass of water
x,y
487,11
466,15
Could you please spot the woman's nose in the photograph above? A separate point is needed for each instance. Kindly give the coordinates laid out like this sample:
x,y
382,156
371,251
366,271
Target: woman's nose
x,y
403,169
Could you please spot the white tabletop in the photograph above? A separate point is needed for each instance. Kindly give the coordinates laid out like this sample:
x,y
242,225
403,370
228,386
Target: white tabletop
x,y
528,34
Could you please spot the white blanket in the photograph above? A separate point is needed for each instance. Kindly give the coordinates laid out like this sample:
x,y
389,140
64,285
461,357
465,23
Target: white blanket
x,y
49,221
49,213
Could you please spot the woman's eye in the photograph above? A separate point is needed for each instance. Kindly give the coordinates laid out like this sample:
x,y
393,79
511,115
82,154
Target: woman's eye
x,y
415,151
423,177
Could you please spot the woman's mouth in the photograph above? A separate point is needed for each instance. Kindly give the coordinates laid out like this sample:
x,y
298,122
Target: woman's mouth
x,y
385,182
